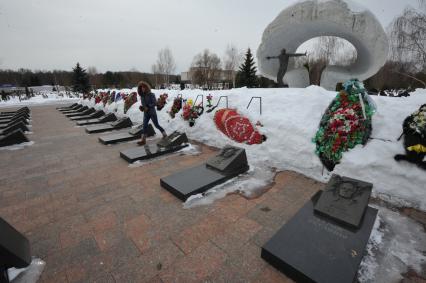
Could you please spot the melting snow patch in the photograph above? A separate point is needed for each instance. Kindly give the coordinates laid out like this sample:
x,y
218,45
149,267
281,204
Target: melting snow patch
x,y
397,243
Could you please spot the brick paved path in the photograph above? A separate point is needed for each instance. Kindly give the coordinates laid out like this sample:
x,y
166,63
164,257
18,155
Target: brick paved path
x,y
94,219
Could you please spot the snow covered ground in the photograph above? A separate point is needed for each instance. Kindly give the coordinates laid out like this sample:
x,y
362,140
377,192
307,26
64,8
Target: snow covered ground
x,y
290,119
49,98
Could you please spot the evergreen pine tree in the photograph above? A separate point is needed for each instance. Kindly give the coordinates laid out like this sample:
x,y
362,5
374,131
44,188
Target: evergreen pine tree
x,y
247,73
80,79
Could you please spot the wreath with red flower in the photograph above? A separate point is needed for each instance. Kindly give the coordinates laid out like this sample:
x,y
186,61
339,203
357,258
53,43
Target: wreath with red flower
x,y
129,101
176,107
345,124
162,101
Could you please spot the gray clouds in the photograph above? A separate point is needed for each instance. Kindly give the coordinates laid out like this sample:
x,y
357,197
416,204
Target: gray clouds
x,y
120,35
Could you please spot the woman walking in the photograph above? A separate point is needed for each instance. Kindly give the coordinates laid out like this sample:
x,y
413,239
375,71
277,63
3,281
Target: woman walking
x,y
148,102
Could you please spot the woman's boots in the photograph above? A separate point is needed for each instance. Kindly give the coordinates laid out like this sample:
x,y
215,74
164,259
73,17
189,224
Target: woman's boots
x,y
143,139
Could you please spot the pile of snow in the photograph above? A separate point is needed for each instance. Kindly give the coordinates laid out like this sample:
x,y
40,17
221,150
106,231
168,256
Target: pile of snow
x,y
290,118
42,98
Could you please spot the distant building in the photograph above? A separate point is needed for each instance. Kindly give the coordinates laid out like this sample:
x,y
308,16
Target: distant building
x,y
223,79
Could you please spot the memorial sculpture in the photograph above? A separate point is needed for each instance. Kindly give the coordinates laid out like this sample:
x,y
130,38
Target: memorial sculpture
x,y
283,59
325,241
345,124
414,132
309,19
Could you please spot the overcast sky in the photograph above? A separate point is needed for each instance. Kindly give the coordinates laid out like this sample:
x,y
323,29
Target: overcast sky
x,y
126,34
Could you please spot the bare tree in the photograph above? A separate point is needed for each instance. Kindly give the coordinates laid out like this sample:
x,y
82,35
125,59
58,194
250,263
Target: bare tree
x,y
206,68
165,63
232,60
155,71
408,38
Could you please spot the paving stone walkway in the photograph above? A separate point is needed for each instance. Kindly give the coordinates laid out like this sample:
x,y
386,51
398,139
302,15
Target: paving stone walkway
x,y
92,218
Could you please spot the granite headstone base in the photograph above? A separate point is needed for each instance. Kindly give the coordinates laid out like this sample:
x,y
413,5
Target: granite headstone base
x,y
148,151
345,200
84,113
12,138
8,119
9,123
25,109
110,117
116,125
195,180
21,126
96,114
78,110
229,163
174,139
315,248
14,247
67,107
71,108
131,135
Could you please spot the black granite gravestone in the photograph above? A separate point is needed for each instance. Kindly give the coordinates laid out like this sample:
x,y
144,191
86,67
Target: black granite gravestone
x,y
13,127
116,125
14,137
9,115
131,135
174,139
229,163
78,110
229,160
67,107
96,114
23,109
15,115
71,108
9,123
84,113
148,151
345,200
315,248
6,119
110,117
14,250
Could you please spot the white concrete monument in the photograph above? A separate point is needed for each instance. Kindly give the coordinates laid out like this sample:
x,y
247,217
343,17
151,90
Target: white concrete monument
x,y
313,18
